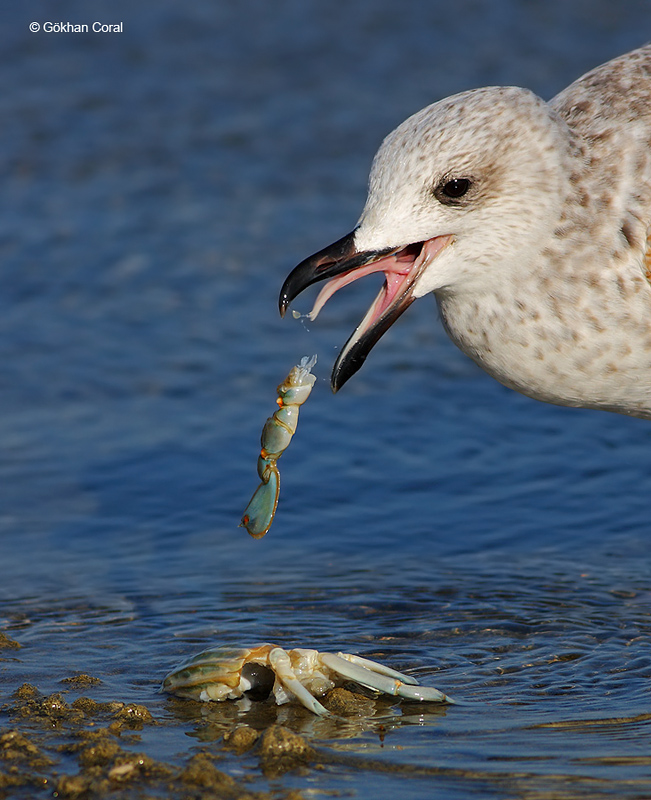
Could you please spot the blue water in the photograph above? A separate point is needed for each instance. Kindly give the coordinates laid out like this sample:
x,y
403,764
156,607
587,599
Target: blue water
x,y
157,186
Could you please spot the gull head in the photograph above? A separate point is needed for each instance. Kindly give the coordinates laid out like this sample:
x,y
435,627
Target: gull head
x,y
462,195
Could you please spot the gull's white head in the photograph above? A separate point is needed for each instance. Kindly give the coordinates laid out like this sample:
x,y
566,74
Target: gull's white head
x,y
484,167
461,193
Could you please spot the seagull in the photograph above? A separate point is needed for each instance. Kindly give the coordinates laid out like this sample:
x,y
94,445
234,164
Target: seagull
x,y
530,221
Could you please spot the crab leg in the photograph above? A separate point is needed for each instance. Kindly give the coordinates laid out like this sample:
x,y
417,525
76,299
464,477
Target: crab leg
x,y
373,679
280,663
374,666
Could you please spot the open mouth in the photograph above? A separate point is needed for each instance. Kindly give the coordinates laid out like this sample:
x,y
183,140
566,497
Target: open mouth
x,y
343,264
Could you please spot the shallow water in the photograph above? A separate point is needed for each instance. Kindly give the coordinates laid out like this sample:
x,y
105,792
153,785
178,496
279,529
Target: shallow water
x,y
158,185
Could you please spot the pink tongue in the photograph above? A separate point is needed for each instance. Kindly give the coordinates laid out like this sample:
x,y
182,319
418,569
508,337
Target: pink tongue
x,y
395,271
398,269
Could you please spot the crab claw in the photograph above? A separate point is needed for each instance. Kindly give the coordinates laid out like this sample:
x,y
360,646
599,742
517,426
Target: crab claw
x,y
381,679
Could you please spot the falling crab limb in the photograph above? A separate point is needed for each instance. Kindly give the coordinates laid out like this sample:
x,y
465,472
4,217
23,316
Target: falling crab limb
x,y
277,433
261,509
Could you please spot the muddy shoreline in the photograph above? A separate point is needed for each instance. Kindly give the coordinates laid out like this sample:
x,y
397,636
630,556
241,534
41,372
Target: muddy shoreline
x,y
69,745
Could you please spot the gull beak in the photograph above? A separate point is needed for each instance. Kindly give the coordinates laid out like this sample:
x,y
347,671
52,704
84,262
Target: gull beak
x,y
341,263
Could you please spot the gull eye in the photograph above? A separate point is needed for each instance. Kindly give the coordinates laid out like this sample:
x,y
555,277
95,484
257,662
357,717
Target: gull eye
x,y
449,191
456,187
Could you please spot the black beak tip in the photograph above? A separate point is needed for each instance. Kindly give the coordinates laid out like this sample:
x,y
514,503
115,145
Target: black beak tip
x,y
331,261
350,360
287,294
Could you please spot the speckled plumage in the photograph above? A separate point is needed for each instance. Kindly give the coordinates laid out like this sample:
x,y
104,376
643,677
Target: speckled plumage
x,y
546,284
